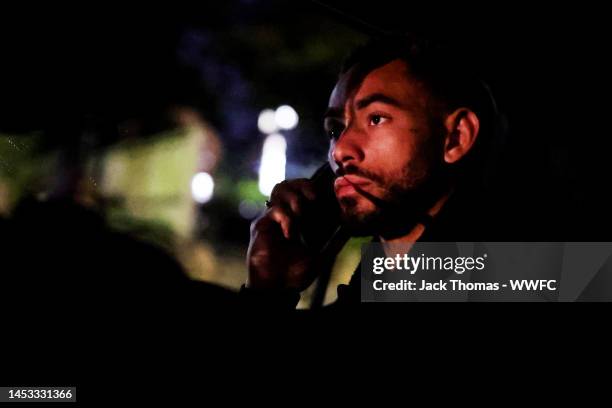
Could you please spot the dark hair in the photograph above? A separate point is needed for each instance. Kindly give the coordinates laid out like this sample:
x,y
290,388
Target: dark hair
x,y
449,79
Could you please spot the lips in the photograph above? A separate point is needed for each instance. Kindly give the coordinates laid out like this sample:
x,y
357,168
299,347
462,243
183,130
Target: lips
x,y
348,185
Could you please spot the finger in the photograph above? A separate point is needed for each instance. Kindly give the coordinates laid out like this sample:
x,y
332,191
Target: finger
x,y
261,224
266,224
306,188
293,194
281,216
292,201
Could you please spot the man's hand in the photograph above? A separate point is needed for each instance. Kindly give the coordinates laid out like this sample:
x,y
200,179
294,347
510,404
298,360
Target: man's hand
x,y
277,257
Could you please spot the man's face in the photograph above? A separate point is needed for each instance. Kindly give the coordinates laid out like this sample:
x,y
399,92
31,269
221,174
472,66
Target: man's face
x,y
382,146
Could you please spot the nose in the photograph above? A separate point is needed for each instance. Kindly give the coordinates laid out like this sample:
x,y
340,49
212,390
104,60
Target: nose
x,y
348,148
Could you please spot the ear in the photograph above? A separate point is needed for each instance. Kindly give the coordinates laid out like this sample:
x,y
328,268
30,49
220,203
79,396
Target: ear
x,y
462,130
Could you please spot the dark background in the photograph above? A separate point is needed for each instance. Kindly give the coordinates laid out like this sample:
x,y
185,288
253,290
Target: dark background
x,y
66,67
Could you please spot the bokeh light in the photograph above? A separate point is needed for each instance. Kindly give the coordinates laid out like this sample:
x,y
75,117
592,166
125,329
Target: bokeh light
x,y
248,209
286,117
267,121
273,162
202,187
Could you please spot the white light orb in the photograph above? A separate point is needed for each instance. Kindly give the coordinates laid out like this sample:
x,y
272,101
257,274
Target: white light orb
x,y
202,187
286,117
267,121
273,163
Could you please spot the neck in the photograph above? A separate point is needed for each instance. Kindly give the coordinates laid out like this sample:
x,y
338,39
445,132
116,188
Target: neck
x,y
415,233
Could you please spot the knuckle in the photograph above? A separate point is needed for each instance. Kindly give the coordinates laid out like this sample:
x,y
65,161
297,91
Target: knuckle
x,y
259,224
275,212
279,215
292,190
280,187
301,181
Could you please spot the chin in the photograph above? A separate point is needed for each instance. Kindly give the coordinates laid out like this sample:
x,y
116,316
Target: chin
x,y
360,218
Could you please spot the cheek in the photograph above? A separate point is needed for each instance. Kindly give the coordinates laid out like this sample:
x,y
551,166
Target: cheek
x,y
391,154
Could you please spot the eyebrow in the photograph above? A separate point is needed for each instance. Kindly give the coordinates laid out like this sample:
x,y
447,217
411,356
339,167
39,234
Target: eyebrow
x,y
377,97
333,112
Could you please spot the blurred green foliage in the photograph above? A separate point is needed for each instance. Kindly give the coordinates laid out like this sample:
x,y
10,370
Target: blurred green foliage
x,y
24,169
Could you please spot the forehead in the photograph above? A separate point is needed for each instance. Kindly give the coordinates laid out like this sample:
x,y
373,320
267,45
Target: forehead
x,y
391,79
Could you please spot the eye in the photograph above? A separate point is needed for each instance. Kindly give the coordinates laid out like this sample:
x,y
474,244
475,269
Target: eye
x,y
377,119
